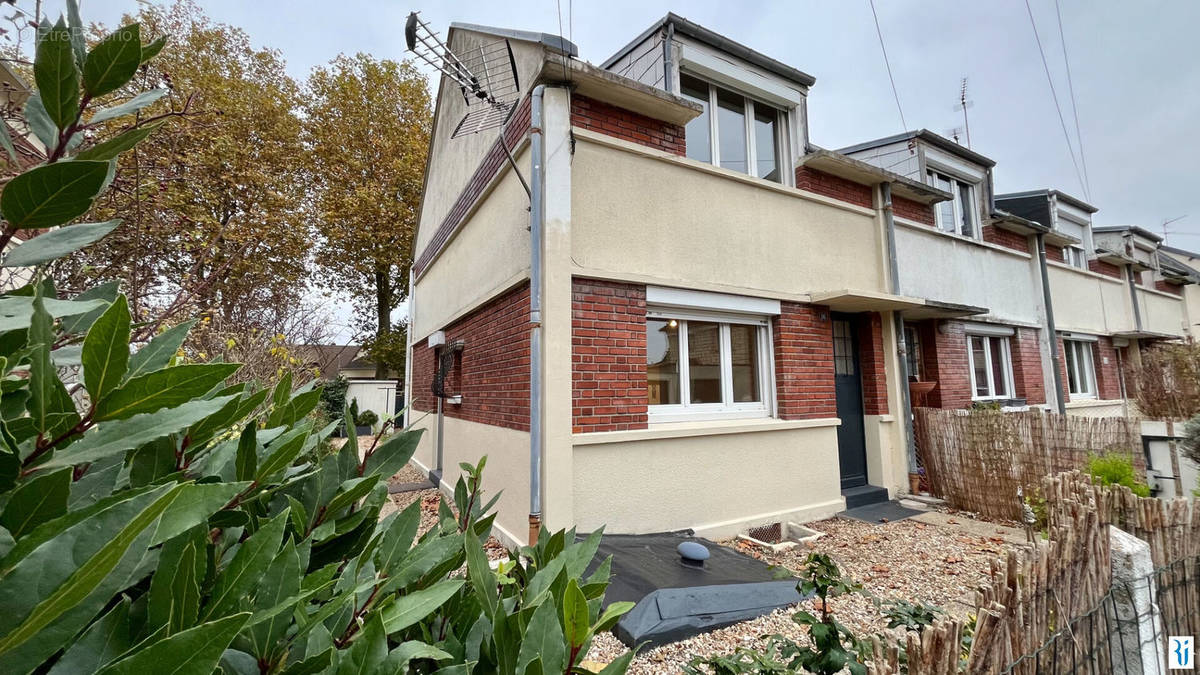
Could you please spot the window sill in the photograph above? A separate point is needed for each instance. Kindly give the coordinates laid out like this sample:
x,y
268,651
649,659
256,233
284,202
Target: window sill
x,y
706,428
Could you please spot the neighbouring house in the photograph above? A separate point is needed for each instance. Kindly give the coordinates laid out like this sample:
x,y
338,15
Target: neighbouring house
x,y
352,363
697,318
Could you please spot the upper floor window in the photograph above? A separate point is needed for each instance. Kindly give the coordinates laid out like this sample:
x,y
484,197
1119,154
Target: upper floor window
x,y
1081,370
1076,257
701,364
990,362
747,132
958,215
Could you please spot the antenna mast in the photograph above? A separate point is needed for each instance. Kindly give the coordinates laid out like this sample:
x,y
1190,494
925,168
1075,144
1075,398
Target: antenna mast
x,y
962,105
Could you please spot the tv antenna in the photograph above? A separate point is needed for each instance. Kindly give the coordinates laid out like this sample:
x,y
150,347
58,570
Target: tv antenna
x,y
1167,222
485,74
962,105
956,134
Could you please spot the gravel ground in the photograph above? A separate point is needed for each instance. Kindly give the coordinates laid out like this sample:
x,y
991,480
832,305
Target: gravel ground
x,y
429,507
936,563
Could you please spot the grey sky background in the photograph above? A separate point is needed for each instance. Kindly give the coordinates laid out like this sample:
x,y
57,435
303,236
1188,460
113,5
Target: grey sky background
x,y
1135,67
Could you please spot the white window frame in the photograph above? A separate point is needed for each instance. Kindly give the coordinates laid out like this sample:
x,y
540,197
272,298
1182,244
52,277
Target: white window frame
x,y
727,408
782,156
1005,354
1080,355
931,176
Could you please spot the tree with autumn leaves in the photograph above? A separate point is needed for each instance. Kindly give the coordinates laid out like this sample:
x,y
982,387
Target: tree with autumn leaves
x,y
367,125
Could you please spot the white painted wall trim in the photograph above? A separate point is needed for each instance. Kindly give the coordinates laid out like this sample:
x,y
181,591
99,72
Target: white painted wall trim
x,y
710,428
989,329
710,66
662,296
1078,337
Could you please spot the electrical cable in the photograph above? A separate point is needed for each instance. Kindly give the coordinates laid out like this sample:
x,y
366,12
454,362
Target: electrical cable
x,y
895,93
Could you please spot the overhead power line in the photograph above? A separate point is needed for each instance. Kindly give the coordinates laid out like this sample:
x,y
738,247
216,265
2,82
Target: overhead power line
x,y
895,93
1087,181
1054,94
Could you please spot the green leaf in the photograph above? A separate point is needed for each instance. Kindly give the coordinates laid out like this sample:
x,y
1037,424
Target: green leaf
x,y
163,389
619,665
151,50
543,638
399,658
57,76
369,651
113,61
16,312
397,537
411,608
247,567
153,461
611,615
58,243
101,296
114,146
247,452
351,491
119,436
6,141
157,354
75,23
46,602
281,582
101,643
576,623
283,450
106,349
40,122
48,397
193,505
393,454
129,107
52,194
195,651
483,579
174,598
37,501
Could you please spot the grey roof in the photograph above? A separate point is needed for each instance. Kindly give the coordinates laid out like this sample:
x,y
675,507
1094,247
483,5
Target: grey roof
x,y
718,41
1140,231
930,138
1180,251
1062,196
553,42
1001,214
1172,267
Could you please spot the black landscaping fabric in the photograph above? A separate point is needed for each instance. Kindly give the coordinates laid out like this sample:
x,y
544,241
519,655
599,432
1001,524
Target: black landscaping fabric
x,y
676,601
883,512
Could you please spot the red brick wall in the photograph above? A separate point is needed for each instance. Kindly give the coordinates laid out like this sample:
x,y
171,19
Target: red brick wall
x,y
1168,287
804,362
833,186
1005,238
944,355
494,364
1055,253
870,355
496,157
1103,267
1062,363
907,208
588,113
1027,366
1108,385
608,356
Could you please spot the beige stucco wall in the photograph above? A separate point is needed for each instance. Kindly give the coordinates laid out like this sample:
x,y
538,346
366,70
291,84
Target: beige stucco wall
x,y
641,216
1086,302
488,255
1162,312
1091,408
507,467
716,484
452,161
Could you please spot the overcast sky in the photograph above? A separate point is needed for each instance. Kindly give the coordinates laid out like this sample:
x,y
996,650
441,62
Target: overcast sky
x,y
1134,66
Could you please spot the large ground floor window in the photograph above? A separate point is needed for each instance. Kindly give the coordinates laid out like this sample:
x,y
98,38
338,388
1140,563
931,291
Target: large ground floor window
x,y
1081,370
707,365
990,367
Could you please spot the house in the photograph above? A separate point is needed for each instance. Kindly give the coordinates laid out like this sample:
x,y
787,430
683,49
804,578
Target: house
x,y
697,318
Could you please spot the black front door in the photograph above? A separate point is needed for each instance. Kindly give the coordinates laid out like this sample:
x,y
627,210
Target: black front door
x,y
852,442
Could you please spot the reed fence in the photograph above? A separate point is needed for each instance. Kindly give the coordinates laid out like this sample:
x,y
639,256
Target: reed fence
x,y
976,460
1051,606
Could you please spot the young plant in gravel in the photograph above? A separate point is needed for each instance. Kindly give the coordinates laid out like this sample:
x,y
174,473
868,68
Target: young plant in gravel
x,y
151,514
910,616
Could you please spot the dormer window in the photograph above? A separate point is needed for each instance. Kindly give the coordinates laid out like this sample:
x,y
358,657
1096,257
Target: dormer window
x,y
958,215
1075,254
747,132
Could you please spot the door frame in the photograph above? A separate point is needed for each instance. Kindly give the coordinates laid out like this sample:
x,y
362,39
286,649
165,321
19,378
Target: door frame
x,y
853,320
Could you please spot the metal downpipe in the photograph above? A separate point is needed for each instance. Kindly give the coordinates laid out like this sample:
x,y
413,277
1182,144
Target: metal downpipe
x,y
1055,357
537,223
898,326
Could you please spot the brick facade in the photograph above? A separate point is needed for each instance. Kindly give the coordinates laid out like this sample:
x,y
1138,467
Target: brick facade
x,y
870,356
1108,383
588,113
1167,287
492,372
944,359
495,158
833,186
908,209
608,356
1055,253
1028,382
1104,267
804,383
1006,238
